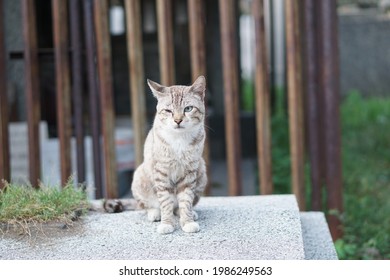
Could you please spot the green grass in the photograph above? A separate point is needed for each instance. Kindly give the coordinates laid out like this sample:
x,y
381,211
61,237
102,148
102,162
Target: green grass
x,y
366,178
22,205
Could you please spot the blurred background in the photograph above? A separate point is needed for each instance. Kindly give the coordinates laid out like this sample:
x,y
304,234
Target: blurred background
x,y
364,88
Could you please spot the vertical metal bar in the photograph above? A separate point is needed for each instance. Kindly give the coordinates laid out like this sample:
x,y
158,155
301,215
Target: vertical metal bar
x,y
93,88
165,42
77,86
313,108
32,89
137,79
262,101
106,96
197,37
196,21
329,83
295,100
60,26
230,81
4,135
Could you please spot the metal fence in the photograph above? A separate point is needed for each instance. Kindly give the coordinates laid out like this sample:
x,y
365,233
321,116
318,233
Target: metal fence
x,y
312,78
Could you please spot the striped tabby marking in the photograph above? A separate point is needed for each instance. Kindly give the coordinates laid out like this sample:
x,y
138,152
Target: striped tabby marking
x,y
173,175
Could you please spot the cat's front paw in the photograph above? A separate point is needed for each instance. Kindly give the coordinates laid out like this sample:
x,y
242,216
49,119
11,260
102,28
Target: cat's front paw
x,y
165,228
191,227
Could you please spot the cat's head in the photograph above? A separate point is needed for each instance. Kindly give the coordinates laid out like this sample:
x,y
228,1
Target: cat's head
x,y
180,108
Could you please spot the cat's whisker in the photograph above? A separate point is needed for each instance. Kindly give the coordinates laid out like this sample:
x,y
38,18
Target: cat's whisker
x,y
208,128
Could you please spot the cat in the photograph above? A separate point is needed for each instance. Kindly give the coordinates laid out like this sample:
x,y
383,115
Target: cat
x,y
173,176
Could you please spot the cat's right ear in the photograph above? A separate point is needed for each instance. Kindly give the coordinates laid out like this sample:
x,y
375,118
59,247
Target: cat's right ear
x,y
157,89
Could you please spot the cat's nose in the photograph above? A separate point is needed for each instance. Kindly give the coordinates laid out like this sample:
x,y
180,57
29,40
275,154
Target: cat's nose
x,y
178,121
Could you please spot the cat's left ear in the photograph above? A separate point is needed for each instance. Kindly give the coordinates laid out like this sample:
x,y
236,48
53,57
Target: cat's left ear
x,y
157,89
199,87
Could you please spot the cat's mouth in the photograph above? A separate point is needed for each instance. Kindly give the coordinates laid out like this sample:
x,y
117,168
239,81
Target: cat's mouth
x,y
178,126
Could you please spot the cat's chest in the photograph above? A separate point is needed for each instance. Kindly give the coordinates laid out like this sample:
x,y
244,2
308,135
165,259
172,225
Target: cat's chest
x,y
177,155
180,149
181,165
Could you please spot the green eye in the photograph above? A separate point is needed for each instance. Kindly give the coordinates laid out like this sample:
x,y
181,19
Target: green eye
x,y
188,109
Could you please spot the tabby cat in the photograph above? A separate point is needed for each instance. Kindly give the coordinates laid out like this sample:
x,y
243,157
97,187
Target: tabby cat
x,y
173,174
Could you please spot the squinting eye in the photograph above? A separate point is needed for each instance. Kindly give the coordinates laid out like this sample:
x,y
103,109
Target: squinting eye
x,y
188,109
168,111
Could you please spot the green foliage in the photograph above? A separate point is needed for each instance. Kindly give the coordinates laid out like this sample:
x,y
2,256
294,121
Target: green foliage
x,y
366,178
366,174
248,95
357,112
281,163
22,204
280,150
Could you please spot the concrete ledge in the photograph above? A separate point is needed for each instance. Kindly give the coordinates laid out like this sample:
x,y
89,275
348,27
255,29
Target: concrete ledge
x,y
317,240
251,227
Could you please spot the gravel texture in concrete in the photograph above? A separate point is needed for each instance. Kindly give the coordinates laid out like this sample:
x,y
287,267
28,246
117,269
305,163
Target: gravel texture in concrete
x,y
247,227
317,241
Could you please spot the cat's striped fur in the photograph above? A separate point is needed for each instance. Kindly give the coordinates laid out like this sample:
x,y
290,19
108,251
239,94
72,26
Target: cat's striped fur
x,y
173,174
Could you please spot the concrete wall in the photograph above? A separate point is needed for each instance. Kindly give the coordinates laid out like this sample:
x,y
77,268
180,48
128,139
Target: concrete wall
x,y
364,53
15,68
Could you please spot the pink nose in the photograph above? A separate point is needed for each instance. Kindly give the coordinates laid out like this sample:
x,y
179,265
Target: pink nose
x,y
178,121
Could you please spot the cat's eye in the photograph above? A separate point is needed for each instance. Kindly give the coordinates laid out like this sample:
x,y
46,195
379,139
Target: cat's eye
x,y
168,111
188,109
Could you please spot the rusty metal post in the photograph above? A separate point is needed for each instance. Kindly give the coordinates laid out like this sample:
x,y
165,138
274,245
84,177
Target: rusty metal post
x,y
106,96
329,82
61,49
196,21
77,86
93,88
137,79
295,100
313,108
262,101
4,135
32,89
227,15
165,42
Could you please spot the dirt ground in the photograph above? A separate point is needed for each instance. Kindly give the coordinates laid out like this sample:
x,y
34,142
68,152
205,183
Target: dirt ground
x,y
38,233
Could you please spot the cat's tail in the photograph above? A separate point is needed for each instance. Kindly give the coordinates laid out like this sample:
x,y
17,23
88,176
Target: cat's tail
x,y
114,205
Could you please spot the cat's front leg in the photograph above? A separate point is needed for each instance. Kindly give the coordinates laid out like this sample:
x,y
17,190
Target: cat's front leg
x,y
185,197
165,197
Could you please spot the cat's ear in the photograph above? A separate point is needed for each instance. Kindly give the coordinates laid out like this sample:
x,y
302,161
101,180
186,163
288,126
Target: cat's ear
x,y
157,89
199,87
